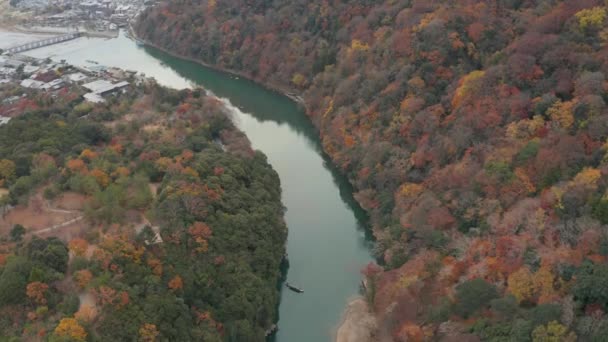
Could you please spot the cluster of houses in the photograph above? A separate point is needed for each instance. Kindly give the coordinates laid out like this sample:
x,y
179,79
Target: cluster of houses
x,y
51,76
101,87
102,15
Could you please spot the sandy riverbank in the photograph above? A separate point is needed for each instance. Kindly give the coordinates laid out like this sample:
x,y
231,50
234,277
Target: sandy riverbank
x,y
358,323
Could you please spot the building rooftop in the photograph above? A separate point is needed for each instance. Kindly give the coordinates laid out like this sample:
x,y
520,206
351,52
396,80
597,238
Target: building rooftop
x,y
96,68
103,86
77,77
6,71
97,85
30,69
12,63
95,98
54,84
30,83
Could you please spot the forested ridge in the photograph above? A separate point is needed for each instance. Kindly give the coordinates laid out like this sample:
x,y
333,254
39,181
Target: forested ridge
x,y
474,132
182,234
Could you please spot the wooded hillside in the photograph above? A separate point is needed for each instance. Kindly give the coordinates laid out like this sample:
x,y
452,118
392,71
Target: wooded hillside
x,y
181,223
474,132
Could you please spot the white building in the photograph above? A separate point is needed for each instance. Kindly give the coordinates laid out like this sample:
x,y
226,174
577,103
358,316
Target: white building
x,y
76,77
101,87
30,83
4,120
30,69
97,85
94,98
53,85
7,71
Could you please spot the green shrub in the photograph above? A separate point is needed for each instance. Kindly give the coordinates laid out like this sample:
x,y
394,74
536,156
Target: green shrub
x,y
505,307
473,295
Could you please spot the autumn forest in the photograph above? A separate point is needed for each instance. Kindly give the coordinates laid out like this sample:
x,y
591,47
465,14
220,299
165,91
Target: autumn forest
x,y
180,232
474,132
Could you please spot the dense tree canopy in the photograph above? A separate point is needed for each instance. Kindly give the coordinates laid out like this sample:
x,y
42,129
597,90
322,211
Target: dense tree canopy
x,y
183,239
473,131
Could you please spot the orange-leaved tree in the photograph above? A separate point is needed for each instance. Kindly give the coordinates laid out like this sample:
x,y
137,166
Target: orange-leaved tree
x,y
83,278
201,233
36,291
101,177
176,283
76,166
78,246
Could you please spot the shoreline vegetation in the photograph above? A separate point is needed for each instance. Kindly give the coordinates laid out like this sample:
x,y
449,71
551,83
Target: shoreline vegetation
x,y
296,98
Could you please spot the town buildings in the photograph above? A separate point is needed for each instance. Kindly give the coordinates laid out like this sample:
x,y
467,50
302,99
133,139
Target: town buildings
x,y
97,83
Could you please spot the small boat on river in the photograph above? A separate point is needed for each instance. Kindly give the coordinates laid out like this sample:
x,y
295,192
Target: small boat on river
x,y
294,288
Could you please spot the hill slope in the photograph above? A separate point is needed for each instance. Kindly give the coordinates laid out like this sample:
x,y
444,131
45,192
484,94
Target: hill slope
x,y
473,131
182,231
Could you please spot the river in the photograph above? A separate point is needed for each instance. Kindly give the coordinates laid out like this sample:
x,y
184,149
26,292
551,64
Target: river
x,y
327,244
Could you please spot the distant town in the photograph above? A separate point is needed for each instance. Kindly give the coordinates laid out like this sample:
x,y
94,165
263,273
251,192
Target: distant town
x,y
47,22
97,83
103,17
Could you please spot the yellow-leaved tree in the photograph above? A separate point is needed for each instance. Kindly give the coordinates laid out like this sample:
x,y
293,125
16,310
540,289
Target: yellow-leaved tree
x,y
469,84
521,284
552,332
69,328
148,333
7,170
544,283
591,18
299,80
562,113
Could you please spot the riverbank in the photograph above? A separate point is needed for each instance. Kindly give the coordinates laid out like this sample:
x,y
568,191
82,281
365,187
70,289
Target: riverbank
x,y
11,36
298,99
63,30
358,323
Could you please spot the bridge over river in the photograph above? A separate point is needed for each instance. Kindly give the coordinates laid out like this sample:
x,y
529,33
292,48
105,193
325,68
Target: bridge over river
x,y
44,42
